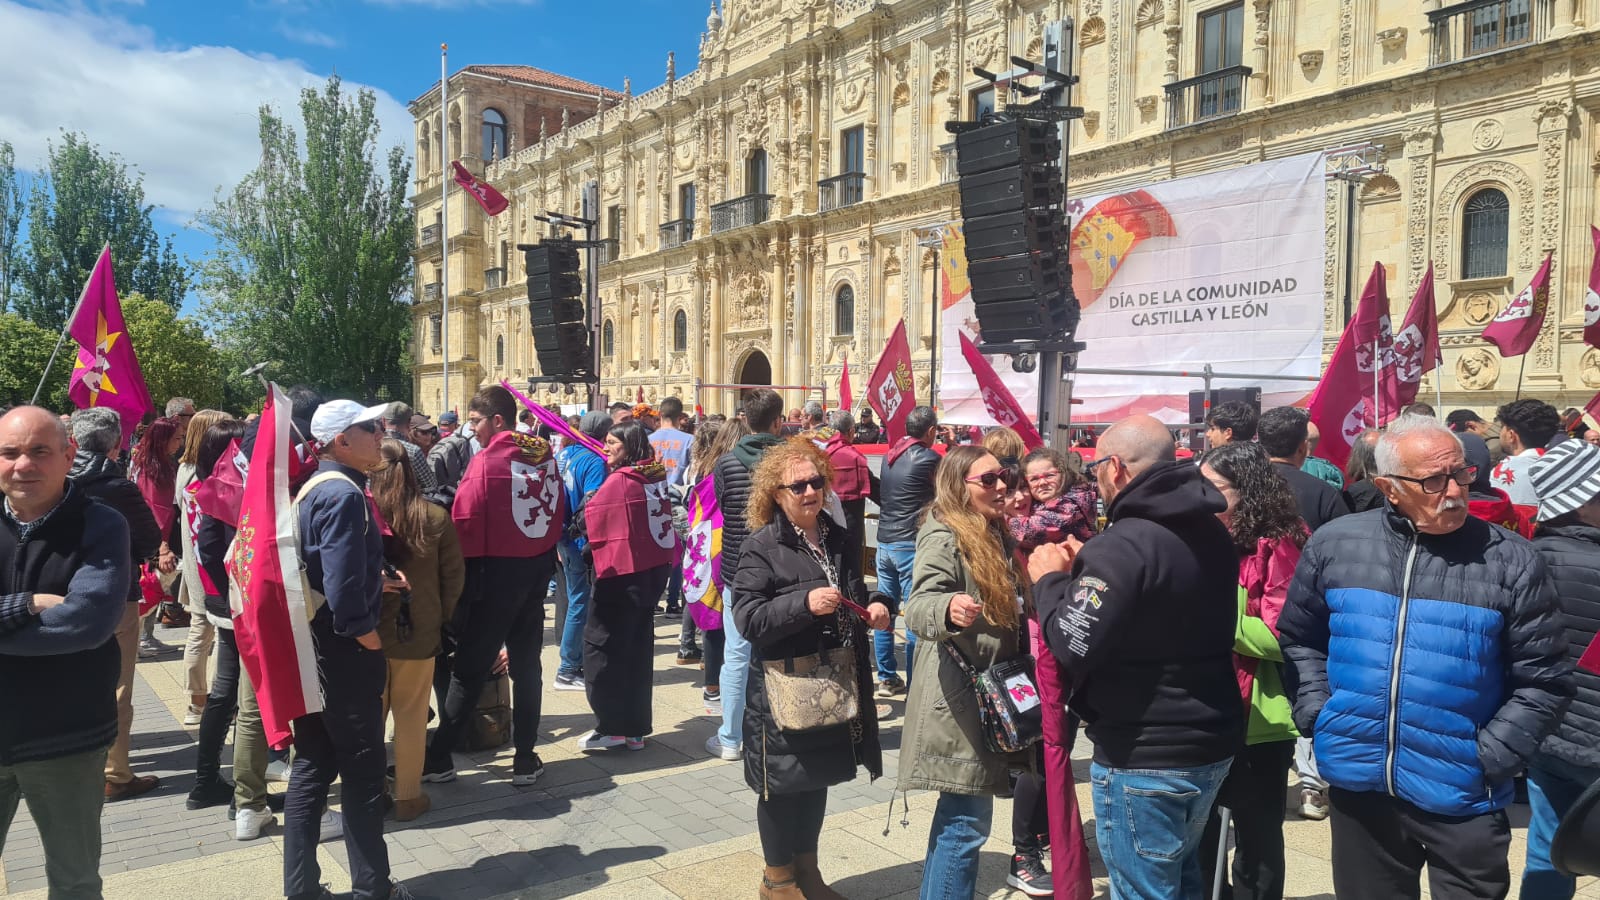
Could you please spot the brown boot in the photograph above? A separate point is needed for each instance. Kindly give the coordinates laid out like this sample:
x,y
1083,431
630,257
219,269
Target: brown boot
x,y
777,883
809,878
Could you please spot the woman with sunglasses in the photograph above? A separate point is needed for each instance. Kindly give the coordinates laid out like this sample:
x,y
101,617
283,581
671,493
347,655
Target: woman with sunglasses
x,y
1264,520
1063,501
968,591
629,524
799,593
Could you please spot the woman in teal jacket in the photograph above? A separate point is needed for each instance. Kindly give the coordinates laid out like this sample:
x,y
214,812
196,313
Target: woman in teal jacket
x,y
1267,530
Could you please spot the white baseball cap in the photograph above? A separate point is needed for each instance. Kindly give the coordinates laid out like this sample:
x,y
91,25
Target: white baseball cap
x,y
332,418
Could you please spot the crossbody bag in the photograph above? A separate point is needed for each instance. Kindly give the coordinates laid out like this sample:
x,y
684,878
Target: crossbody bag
x,y
1008,699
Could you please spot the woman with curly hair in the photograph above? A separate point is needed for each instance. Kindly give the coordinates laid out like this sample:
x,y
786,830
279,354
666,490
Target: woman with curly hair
x,y
634,544
1264,520
797,596
968,595
1063,501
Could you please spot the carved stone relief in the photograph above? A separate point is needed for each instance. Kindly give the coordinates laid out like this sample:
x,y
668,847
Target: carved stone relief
x,y
1589,368
1477,369
1449,202
1488,134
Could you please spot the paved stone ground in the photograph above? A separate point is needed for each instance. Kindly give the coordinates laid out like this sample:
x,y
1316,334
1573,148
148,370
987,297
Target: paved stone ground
x,y
668,822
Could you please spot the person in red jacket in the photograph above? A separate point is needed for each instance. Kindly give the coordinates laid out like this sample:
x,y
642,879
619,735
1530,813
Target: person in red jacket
x,y
1484,500
853,481
629,521
509,511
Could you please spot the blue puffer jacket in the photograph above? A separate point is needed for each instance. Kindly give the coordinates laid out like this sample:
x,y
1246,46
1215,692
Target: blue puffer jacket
x,y
1428,667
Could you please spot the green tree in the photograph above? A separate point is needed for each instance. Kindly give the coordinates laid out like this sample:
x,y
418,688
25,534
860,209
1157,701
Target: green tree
x,y
85,200
24,349
313,251
10,223
176,357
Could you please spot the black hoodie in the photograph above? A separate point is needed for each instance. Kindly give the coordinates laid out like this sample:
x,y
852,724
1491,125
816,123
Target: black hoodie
x,y
104,479
1144,626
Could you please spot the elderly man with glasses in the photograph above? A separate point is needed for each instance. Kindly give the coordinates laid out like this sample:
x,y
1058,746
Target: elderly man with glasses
x,y
1424,654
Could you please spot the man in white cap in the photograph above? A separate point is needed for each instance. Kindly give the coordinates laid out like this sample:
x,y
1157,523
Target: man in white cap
x,y
1567,480
341,550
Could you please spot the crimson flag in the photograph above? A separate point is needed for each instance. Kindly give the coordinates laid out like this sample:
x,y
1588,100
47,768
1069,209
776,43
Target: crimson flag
x,y
493,202
997,398
1591,299
1514,330
1344,403
271,622
107,372
890,390
1416,350
847,397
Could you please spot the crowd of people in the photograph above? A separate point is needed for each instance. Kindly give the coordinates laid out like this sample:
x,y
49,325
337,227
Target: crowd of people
x,y
1400,632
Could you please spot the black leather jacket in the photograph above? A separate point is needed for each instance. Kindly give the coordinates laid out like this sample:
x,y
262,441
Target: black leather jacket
x,y
905,487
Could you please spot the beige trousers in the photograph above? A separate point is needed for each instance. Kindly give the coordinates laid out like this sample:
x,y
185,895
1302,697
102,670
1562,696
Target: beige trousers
x,y
406,696
117,769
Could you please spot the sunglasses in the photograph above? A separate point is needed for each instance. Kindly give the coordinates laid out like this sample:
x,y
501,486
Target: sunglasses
x,y
368,427
1436,484
798,488
1007,477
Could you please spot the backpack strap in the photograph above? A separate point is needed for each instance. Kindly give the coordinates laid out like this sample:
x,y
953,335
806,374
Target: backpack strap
x,y
315,599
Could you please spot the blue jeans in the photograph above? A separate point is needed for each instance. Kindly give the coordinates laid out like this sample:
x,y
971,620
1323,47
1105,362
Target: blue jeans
x,y
960,829
1553,786
578,590
735,674
1149,824
894,579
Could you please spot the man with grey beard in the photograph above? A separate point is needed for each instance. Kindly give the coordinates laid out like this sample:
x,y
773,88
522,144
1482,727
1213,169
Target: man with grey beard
x,y
1424,652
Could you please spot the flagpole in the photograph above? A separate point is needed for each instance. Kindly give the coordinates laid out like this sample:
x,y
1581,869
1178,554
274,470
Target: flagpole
x,y
65,328
1520,370
444,220
1377,389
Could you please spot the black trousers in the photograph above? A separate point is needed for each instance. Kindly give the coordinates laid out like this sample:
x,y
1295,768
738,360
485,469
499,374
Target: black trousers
x,y
221,704
502,605
1253,793
1030,813
1381,843
790,824
716,646
344,741
619,651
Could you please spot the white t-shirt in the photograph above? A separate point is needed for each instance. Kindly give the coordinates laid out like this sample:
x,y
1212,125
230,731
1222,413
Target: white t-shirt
x,y
1511,476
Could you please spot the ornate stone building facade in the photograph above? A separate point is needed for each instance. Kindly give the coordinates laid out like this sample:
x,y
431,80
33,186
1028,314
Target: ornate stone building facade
x,y
765,208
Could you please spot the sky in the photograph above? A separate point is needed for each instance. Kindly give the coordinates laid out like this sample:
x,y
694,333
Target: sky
x,y
174,86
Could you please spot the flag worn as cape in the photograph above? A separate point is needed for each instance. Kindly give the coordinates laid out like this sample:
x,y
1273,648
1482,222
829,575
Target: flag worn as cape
x,y
629,521
221,496
107,372
270,620
1515,329
493,202
510,502
890,391
997,398
702,556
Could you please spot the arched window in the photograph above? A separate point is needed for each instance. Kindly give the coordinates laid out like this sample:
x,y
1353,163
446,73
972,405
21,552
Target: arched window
x,y
500,351
1485,234
844,310
680,331
608,340
755,172
494,135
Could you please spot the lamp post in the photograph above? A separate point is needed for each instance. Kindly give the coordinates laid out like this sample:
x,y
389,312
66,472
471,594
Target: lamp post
x,y
1352,165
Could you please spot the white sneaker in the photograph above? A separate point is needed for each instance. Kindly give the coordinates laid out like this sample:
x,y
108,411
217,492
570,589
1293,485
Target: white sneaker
x,y
332,826
278,771
596,741
247,823
192,715
717,748
149,649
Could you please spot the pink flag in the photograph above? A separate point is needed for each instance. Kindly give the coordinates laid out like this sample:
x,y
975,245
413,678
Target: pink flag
x,y
1069,853
271,622
222,495
556,423
1416,350
1344,402
493,202
847,397
107,373
997,398
1517,326
891,391
1591,298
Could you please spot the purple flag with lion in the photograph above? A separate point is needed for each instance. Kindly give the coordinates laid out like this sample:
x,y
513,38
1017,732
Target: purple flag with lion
x,y
702,556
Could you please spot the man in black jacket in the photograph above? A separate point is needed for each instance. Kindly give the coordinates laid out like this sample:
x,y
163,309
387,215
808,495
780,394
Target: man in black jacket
x,y
904,488
1285,434
763,412
1142,621
64,582
98,434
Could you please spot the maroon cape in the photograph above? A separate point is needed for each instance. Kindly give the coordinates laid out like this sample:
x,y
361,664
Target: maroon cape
x,y
510,503
629,521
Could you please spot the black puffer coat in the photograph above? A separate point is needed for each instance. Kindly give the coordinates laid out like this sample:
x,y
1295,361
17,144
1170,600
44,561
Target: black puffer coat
x,y
104,479
1572,554
769,605
732,473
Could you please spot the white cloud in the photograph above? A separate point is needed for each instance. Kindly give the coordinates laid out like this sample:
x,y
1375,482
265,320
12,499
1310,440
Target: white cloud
x,y
311,37
184,116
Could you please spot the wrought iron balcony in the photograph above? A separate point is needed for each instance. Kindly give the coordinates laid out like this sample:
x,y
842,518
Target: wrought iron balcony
x,y
430,291
493,278
841,190
608,250
677,233
430,235
1208,96
751,209
1477,27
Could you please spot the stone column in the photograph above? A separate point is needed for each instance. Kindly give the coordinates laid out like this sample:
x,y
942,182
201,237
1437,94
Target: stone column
x,y
1260,65
712,339
1554,117
1565,18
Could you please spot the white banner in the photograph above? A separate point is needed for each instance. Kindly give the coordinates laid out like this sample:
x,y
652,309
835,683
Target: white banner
x,y
1224,268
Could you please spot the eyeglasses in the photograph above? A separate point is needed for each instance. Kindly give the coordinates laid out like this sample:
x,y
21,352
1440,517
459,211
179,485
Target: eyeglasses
x,y
798,488
1042,477
1436,484
368,427
1090,467
1007,477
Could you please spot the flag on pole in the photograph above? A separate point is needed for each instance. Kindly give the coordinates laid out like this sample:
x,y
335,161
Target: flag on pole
x,y
847,397
493,202
1343,404
270,619
1416,350
1515,329
1591,298
890,390
997,398
702,556
107,373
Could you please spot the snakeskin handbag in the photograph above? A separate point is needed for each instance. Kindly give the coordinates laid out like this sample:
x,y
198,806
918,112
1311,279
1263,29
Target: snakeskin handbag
x,y
813,692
